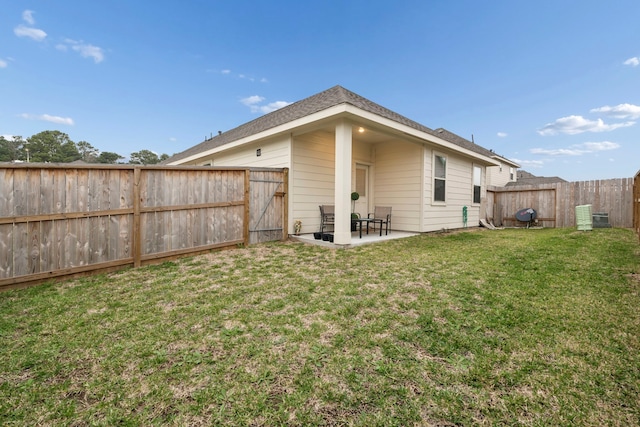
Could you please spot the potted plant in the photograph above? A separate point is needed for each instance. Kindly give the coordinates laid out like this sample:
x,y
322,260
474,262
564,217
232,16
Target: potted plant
x,y
354,225
354,196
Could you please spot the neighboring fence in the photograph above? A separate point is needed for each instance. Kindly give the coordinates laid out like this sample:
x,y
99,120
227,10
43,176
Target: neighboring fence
x,y
58,220
555,203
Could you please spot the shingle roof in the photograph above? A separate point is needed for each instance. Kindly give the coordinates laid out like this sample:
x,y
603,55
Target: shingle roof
x,y
465,143
337,95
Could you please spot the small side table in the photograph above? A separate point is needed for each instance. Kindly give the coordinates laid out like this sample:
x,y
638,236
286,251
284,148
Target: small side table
x,y
361,221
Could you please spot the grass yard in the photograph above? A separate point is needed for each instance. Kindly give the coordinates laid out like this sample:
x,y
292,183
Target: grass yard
x,y
509,327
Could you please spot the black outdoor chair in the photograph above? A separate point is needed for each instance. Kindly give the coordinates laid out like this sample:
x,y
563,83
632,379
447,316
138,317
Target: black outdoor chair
x,y
381,215
327,217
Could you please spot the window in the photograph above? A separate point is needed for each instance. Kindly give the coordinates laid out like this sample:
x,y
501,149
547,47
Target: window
x,y
439,178
511,174
477,183
361,181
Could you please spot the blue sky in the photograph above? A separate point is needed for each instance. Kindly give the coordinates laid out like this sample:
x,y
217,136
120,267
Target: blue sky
x,y
553,85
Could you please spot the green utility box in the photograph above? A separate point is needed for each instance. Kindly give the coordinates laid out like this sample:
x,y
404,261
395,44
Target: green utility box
x,y
584,220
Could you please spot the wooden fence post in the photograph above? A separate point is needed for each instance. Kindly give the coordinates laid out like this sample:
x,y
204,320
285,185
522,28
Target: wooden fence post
x,y
137,231
247,206
285,202
636,203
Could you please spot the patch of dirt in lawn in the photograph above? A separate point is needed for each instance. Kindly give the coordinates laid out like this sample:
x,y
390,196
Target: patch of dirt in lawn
x,y
635,277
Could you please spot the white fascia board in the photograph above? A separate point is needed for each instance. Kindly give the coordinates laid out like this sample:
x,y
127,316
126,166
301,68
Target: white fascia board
x,y
284,128
426,137
334,112
507,161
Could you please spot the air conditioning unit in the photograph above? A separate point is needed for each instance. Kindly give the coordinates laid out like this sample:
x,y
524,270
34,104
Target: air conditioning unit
x,y
601,220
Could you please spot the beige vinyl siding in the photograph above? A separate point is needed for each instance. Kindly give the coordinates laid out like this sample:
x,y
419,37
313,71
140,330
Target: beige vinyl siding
x,y
273,154
362,153
398,175
497,177
312,183
459,193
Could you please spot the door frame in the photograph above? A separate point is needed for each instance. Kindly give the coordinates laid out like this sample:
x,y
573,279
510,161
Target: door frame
x,y
366,203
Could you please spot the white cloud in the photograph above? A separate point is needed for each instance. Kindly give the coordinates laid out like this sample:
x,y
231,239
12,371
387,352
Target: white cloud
x,y
241,76
253,102
621,111
592,147
577,149
90,51
529,163
33,33
555,152
24,31
502,134
85,50
273,106
27,16
48,118
3,64
634,62
573,125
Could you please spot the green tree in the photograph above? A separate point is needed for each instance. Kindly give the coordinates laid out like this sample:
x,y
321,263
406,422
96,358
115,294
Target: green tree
x,y
88,153
10,149
145,157
52,146
109,157
68,153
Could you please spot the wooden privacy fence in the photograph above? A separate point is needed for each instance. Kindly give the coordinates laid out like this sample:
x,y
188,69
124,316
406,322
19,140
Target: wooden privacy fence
x,y
555,203
59,220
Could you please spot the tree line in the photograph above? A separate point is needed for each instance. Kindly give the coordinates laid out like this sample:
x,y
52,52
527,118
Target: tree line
x,y
52,146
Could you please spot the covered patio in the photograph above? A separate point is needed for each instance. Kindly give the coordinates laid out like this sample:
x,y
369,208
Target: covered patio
x,y
372,237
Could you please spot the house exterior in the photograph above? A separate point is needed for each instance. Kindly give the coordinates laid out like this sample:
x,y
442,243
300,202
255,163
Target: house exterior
x,y
504,174
526,178
336,142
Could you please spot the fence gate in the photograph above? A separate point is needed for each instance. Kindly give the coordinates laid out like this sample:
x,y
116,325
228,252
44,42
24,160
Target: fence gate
x,y
267,217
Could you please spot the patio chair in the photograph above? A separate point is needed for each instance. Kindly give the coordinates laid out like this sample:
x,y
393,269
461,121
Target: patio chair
x,y
327,217
381,215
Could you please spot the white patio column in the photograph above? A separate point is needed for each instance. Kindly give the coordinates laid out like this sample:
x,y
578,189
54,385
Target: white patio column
x,y
342,233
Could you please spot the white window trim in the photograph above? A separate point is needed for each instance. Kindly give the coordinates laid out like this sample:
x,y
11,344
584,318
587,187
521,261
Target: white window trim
x,y
473,184
433,179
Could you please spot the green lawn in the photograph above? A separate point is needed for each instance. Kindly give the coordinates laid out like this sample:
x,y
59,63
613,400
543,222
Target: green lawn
x,y
509,327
